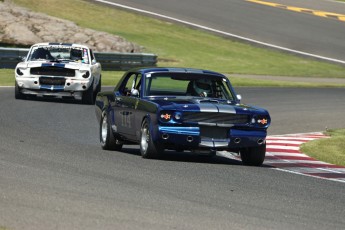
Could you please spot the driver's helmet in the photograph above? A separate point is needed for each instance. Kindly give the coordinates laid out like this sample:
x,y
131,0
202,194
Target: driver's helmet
x,y
76,54
202,86
41,53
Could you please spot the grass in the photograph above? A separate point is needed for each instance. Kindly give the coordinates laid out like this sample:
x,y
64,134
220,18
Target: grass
x,y
331,150
178,45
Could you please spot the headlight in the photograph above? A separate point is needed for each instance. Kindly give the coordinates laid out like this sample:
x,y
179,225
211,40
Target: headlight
x,y
177,116
86,75
19,72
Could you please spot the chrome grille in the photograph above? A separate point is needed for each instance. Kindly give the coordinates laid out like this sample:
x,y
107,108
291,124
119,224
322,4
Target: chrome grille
x,y
215,118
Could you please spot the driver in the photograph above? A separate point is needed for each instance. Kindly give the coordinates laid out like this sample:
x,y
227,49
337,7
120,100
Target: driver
x,y
202,87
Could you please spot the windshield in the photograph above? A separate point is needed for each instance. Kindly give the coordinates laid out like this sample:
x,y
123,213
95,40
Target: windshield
x,y
59,53
187,84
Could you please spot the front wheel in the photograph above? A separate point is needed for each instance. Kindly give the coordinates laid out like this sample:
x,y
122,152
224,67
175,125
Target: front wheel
x,y
253,156
148,148
17,93
88,96
106,135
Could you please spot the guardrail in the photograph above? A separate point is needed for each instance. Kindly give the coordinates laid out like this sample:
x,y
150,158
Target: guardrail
x,y
10,57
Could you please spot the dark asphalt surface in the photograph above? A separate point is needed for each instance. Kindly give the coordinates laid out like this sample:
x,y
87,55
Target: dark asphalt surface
x,y
279,27
54,175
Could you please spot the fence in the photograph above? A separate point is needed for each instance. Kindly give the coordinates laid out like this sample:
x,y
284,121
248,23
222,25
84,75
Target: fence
x,y
10,57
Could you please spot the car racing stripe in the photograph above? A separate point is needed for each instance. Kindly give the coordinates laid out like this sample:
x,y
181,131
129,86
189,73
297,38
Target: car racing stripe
x,y
339,17
52,87
226,109
209,107
61,44
61,65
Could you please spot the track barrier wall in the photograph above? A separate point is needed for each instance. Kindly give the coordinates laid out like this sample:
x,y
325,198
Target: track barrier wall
x,y
10,57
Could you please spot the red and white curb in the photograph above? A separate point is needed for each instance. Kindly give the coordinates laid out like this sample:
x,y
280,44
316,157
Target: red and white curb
x,y
283,153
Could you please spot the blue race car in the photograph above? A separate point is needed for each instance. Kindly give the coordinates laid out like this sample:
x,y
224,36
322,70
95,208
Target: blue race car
x,y
180,109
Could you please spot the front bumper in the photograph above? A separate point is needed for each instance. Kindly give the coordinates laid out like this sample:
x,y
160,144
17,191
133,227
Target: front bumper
x,y
212,138
33,84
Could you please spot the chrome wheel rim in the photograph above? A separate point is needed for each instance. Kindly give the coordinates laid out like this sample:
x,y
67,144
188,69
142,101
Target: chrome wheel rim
x,y
104,132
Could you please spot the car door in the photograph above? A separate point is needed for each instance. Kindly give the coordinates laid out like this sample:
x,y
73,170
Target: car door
x,y
125,106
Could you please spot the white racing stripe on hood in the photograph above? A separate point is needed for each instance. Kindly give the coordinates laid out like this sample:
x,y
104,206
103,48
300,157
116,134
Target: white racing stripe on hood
x,y
210,107
226,108
67,65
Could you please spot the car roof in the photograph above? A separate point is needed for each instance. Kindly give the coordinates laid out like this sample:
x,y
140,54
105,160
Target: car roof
x,y
175,70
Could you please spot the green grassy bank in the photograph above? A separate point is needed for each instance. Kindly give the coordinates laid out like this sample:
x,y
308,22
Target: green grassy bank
x,y
331,150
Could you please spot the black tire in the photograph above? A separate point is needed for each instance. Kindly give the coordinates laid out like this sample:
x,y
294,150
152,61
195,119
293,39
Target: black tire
x,y
106,135
253,156
148,148
17,93
88,96
98,89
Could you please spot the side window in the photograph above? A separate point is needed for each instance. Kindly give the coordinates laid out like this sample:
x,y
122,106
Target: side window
x,y
93,59
133,83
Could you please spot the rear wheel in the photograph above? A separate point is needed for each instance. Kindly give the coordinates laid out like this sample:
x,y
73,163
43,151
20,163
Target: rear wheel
x,y
253,156
148,148
17,93
106,135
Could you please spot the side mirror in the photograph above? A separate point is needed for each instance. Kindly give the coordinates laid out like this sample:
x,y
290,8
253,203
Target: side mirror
x,y
135,92
239,97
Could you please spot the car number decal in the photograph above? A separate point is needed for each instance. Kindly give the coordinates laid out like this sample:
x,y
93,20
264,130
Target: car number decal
x,y
126,119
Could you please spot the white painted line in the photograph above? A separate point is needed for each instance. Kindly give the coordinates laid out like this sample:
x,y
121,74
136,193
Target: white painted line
x,y
291,138
283,161
282,147
304,170
285,142
298,173
219,31
299,134
333,170
282,154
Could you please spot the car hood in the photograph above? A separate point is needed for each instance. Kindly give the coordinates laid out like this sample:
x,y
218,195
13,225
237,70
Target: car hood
x,y
67,65
208,105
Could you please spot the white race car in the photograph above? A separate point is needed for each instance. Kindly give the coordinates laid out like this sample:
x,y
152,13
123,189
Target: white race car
x,y
59,70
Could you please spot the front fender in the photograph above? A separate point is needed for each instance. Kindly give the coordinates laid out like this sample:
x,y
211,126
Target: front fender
x,y
103,103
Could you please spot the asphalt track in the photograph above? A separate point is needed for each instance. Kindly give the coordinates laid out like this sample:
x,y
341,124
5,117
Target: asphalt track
x,y
54,175
274,26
